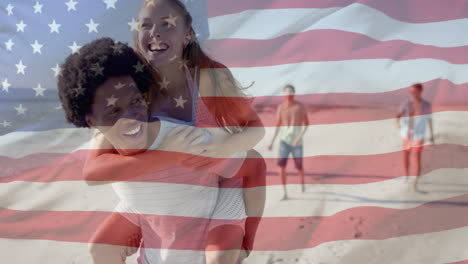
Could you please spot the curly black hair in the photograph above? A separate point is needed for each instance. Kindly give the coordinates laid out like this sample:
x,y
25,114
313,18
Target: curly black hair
x,y
418,86
81,75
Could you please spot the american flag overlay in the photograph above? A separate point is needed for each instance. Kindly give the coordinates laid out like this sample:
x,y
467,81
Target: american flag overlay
x,y
354,65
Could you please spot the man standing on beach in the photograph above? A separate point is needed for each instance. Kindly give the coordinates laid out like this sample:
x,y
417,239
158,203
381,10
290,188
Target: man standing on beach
x,y
291,119
417,117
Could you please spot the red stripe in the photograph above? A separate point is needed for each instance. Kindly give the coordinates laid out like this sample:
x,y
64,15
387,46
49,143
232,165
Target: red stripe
x,y
324,45
459,262
443,94
421,11
413,11
320,115
336,169
368,168
225,7
274,233
361,223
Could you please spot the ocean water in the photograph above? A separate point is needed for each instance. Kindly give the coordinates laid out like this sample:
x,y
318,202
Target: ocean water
x,y
43,112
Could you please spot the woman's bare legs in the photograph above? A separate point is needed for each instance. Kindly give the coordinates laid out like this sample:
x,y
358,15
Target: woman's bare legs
x,y
229,244
115,239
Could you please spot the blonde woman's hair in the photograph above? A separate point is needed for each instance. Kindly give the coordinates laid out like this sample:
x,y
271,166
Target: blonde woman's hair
x,y
225,108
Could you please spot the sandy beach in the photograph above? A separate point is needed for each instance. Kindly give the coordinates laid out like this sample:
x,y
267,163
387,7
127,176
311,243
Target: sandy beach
x,y
326,195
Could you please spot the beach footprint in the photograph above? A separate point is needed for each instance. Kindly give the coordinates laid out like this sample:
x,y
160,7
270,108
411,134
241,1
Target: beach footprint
x,y
359,221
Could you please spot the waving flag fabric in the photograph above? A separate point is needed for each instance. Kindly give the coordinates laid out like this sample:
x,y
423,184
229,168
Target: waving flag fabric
x,y
352,63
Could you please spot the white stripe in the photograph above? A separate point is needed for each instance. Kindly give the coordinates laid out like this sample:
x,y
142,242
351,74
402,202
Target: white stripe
x,y
359,138
251,24
366,138
57,196
318,200
351,76
23,143
22,251
429,248
358,18
329,199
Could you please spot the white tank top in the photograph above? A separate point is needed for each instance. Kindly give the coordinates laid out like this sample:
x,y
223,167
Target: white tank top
x,y
154,199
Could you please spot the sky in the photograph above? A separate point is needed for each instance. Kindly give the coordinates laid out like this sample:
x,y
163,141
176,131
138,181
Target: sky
x,y
113,22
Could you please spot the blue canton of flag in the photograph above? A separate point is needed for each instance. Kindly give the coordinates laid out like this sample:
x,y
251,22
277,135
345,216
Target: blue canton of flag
x,y
35,39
